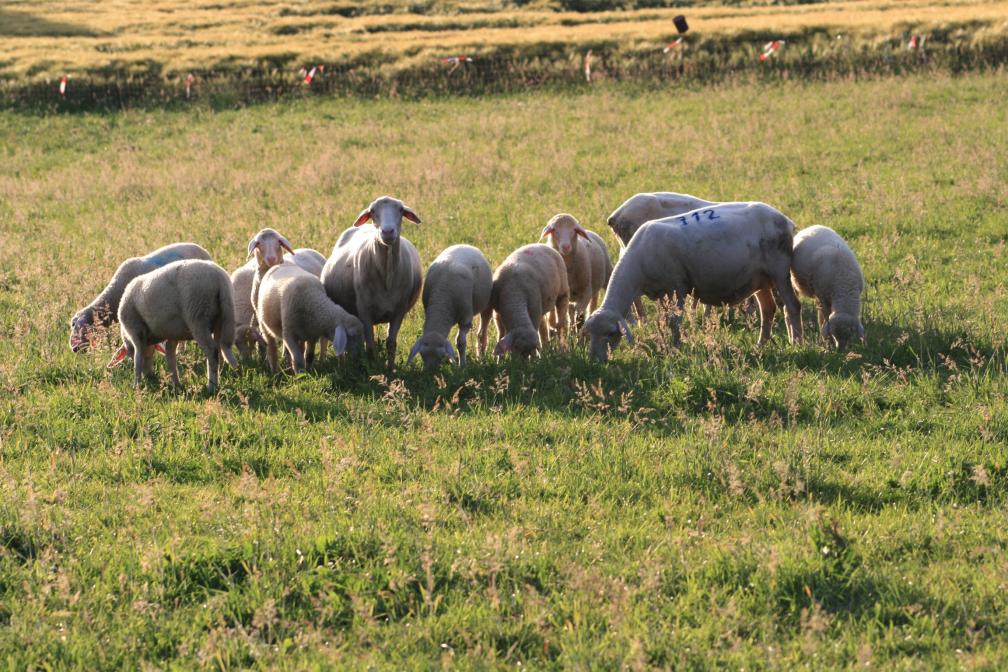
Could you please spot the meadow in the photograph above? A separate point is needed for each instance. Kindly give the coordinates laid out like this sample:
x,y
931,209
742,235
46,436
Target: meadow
x,y
120,54
715,506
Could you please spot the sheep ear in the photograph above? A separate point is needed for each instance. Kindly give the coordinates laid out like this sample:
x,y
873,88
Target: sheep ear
x,y
253,244
339,341
410,215
363,217
625,328
118,357
547,230
413,352
503,346
580,231
450,351
285,244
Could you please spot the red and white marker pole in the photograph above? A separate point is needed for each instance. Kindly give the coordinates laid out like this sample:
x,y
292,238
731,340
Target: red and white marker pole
x,y
769,48
63,84
914,42
587,66
311,75
188,85
672,45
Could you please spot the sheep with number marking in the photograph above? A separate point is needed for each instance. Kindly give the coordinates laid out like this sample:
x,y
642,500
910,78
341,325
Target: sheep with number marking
x,y
457,287
722,254
182,301
376,274
824,268
103,311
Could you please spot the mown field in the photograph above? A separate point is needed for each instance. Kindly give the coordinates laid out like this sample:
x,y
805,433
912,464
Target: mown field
x,y
120,54
712,507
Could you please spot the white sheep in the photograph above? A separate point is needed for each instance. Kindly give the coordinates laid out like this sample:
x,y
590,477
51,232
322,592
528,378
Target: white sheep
x,y
644,207
528,286
295,310
824,268
182,301
376,275
457,287
722,254
268,247
587,263
310,260
247,333
103,311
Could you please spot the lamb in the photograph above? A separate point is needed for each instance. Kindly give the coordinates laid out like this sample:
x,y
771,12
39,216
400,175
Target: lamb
x,y
529,285
295,310
588,264
739,249
824,268
103,311
268,247
182,301
376,275
457,287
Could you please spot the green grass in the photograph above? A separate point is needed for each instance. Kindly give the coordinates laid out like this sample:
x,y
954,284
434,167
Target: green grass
x,y
716,506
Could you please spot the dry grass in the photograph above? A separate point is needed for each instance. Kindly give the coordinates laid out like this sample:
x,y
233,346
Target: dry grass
x,y
44,40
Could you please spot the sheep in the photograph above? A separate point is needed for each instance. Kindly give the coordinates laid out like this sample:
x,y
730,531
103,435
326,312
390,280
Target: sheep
x,y
529,285
103,311
644,207
741,248
268,247
295,310
824,268
588,264
376,275
457,287
246,327
182,301
310,260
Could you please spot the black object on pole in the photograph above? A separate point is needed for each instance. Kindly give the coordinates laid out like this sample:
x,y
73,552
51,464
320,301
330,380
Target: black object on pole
x,y
680,23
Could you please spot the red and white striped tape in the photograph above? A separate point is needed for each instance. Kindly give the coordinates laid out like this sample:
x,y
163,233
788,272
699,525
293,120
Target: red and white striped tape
x,y
672,45
63,84
318,69
769,48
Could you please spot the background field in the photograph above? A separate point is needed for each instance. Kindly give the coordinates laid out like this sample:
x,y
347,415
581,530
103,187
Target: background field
x,y
715,506
120,54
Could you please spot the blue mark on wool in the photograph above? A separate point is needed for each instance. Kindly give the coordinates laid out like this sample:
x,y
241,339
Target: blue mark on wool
x,y
164,258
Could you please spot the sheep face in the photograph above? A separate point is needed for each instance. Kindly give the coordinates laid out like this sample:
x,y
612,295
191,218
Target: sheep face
x,y
603,329
521,342
80,331
268,247
433,349
563,231
387,214
843,329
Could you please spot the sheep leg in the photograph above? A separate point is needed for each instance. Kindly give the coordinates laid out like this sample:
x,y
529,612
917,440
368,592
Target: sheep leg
x,y
460,341
593,304
271,353
638,305
393,334
309,353
767,309
675,316
485,317
138,365
792,308
171,359
211,348
296,352
824,313
561,311
544,329
323,346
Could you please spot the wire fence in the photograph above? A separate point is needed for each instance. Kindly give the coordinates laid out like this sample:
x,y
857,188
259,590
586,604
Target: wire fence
x,y
756,57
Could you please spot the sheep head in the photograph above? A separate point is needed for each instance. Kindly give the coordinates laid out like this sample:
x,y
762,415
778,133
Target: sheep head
x,y
268,246
523,342
433,349
563,230
842,329
603,328
348,338
81,326
387,213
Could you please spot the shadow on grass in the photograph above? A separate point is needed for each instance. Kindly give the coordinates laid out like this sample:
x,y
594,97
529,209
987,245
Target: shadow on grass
x,y
22,24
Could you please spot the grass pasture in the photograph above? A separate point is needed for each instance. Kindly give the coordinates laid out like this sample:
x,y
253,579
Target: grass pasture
x,y
120,54
715,506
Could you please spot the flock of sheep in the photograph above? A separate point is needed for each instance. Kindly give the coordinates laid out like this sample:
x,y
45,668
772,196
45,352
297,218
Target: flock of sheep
x,y
672,245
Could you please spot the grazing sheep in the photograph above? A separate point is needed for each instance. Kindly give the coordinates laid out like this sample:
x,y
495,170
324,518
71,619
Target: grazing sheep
x,y
722,254
182,301
529,285
824,268
247,333
376,275
103,311
295,310
588,264
457,287
644,207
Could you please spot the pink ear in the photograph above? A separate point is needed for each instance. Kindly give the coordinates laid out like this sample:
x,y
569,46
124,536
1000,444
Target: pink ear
x,y
410,215
253,244
547,230
363,217
286,245
118,357
581,232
